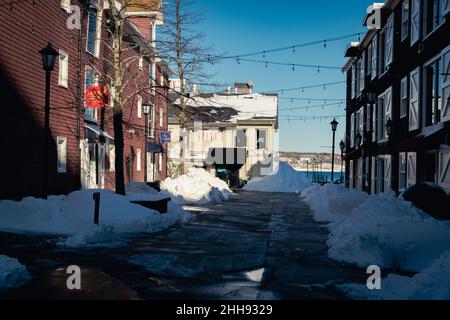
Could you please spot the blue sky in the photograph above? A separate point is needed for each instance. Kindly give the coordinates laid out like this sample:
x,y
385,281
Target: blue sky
x,y
237,26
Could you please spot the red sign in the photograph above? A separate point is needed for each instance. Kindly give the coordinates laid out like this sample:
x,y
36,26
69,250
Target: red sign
x,y
96,97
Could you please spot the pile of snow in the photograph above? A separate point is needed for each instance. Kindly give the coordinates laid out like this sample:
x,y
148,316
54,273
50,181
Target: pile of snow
x,y
73,216
196,187
332,202
387,231
12,273
433,283
284,179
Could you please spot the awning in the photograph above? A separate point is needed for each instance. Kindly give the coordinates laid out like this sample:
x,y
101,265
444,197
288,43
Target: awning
x,y
429,138
98,131
153,147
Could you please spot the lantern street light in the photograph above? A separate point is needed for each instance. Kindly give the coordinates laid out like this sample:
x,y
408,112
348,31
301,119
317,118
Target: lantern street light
x,y
147,108
342,147
334,125
49,55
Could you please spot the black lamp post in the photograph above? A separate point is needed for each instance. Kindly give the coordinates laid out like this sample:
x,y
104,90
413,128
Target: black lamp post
x,y
147,107
342,147
334,125
49,55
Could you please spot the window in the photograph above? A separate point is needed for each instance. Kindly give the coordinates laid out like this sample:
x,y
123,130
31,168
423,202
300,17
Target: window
x,y
93,32
405,19
353,82
139,107
161,118
241,138
63,79
65,4
91,79
62,154
160,162
151,123
433,15
382,55
433,92
352,130
404,97
384,113
369,60
374,62
112,157
380,118
379,172
139,160
402,177
261,136
152,76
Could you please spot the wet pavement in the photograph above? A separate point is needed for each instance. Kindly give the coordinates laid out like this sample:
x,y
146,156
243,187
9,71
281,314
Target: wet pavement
x,y
255,246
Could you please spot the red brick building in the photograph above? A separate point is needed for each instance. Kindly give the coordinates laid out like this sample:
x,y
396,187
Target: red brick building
x,y
81,151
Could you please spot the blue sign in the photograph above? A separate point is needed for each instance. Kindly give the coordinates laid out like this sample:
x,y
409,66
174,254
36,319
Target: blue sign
x,y
164,137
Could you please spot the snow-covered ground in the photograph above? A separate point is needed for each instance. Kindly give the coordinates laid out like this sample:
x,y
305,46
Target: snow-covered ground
x,y
12,273
197,187
382,230
72,217
284,179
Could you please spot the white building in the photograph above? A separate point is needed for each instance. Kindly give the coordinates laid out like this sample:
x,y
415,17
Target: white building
x,y
240,124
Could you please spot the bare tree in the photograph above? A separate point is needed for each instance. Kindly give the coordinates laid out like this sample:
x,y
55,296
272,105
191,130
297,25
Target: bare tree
x,y
180,44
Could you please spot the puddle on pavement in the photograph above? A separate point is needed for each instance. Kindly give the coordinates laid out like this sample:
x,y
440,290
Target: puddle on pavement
x,y
255,275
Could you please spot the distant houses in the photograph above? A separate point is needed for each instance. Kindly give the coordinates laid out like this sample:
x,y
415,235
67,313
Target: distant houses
x,y
81,152
232,134
398,99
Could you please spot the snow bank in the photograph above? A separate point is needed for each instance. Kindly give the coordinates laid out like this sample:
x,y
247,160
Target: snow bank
x,y
12,273
379,229
284,179
73,216
433,283
332,202
196,187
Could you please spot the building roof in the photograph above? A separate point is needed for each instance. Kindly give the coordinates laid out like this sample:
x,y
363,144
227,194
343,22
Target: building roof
x,y
228,108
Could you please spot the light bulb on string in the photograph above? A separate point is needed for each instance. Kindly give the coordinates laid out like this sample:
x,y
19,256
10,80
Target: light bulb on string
x,y
266,64
293,49
264,55
325,44
318,69
293,67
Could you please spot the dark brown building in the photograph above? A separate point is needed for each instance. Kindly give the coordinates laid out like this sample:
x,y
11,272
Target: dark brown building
x,y
398,99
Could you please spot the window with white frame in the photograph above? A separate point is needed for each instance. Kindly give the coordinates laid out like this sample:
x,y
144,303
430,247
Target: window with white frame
x,y
433,15
139,160
380,118
63,78
61,154
382,51
152,76
432,87
151,122
352,129
405,19
65,4
261,139
402,167
404,97
139,107
93,32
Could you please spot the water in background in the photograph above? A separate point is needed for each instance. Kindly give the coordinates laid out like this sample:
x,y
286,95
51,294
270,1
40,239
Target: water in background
x,y
324,176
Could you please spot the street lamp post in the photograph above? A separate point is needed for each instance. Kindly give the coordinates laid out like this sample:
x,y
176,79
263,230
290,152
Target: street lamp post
x,y
342,147
147,107
334,125
49,55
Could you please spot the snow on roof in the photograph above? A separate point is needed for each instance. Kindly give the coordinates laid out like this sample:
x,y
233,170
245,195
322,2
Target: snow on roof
x,y
247,106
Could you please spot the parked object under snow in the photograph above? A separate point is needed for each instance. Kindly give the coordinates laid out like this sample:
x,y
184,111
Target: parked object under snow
x,y
196,187
284,179
431,198
12,273
72,217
